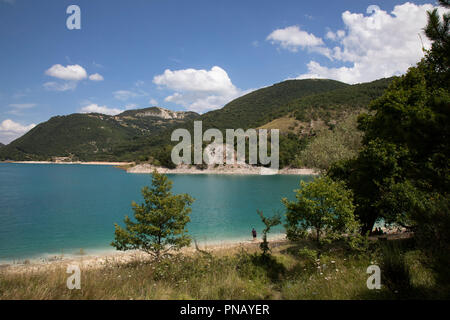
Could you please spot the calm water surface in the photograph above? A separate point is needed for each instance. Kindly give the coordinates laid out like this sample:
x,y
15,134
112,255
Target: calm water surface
x,y
59,209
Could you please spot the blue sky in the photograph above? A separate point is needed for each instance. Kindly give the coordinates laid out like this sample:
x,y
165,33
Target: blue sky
x,y
189,55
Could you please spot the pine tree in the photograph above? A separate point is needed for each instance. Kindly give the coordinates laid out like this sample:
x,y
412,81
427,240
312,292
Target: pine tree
x,y
161,221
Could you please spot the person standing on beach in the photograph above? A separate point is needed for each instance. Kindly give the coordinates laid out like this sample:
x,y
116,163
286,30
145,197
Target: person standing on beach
x,y
254,234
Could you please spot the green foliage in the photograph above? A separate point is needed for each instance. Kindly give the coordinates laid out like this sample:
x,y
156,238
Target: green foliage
x,y
332,104
438,59
251,110
404,159
370,176
309,255
269,223
161,220
92,137
323,207
396,273
329,146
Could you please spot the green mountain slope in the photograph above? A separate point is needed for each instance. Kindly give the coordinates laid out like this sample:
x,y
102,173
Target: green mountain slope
x,y
250,110
144,134
324,108
90,136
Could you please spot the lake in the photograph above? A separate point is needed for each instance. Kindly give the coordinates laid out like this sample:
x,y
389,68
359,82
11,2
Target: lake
x,y
50,209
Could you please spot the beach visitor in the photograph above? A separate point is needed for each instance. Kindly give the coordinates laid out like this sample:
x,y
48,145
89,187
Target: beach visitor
x,y
254,234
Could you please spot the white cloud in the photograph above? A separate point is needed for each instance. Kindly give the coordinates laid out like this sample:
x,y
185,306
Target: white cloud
x,y
153,102
70,72
335,35
374,46
198,90
10,130
22,105
65,86
95,108
96,77
124,95
291,38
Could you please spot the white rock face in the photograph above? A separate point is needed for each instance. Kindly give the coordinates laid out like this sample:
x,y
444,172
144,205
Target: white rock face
x,y
216,153
163,114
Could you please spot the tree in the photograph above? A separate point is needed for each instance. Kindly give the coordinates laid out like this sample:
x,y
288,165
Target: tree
x,y
161,220
269,223
329,146
370,177
323,207
164,157
406,140
438,58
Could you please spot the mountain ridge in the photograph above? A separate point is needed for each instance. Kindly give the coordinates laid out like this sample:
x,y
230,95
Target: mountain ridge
x,y
144,134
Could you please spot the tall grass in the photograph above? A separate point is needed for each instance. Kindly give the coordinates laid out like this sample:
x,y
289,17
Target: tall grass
x,y
288,273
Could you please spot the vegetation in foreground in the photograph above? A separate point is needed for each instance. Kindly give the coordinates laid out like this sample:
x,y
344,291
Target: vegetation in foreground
x,y
292,271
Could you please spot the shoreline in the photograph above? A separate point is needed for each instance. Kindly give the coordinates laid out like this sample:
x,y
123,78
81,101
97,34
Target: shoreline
x,y
224,169
100,259
132,167
93,163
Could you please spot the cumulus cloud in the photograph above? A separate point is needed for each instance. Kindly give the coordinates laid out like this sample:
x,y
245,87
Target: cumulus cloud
x,y
153,102
70,72
10,130
95,108
292,38
376,45
96,77
198,90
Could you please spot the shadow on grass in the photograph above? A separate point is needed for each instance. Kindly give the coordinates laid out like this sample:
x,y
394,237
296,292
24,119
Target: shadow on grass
x,y
257,265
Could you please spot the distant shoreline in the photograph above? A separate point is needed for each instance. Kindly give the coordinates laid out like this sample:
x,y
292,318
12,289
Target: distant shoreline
x,y
97,163
225,170
131,167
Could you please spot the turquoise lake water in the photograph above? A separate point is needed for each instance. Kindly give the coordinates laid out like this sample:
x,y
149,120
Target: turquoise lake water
x,y
59,209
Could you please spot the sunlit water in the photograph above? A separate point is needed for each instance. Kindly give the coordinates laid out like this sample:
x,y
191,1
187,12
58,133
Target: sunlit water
x,y
60,209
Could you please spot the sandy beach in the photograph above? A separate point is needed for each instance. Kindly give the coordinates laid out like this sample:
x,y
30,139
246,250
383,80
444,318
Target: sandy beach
x,y
92,261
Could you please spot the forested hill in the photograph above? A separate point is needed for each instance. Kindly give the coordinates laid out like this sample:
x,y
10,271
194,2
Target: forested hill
x,y
144,134
91,136
252,109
